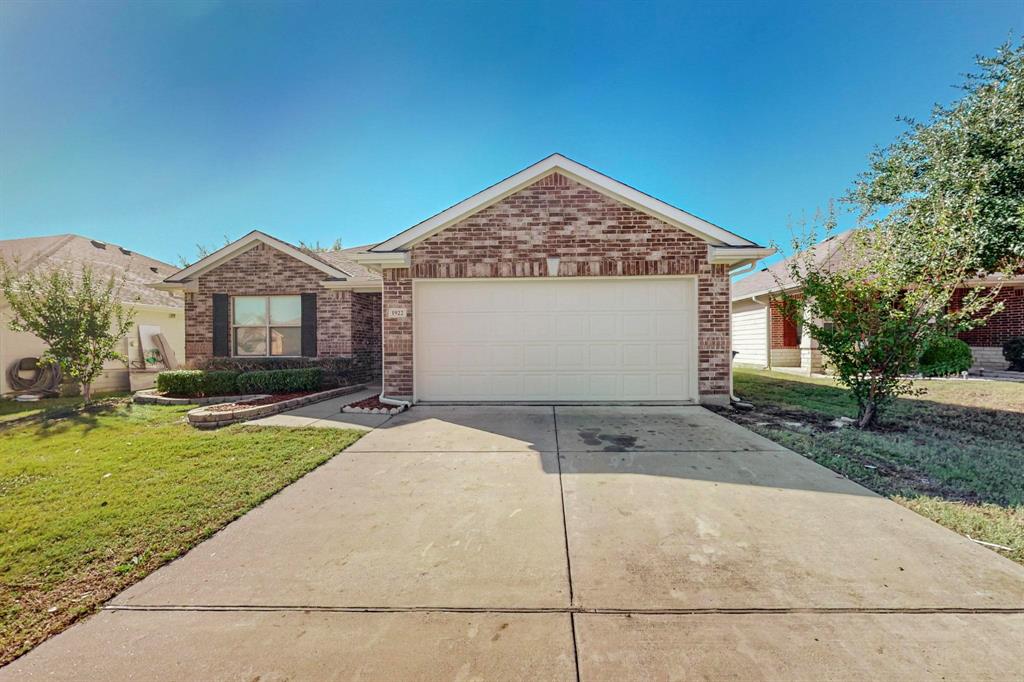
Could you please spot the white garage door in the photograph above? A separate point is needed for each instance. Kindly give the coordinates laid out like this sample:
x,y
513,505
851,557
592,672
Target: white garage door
x,y
555,339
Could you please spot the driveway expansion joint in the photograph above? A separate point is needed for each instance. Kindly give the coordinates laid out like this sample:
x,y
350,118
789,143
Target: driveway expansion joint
x,y
824,610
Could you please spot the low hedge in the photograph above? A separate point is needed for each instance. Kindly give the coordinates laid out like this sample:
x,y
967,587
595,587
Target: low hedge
x,y
1013,351
281,380
194,383
181,382
338,371
945,355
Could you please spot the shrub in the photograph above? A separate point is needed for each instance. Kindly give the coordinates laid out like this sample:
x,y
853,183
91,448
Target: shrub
x,y
220,383
945,355
338,370
180,382
193,383
1013,351
281,380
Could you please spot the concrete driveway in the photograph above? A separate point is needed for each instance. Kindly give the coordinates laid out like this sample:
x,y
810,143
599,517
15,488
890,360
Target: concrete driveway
x,y
540,543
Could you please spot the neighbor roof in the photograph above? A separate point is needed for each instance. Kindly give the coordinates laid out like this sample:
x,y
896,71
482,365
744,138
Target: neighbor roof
x,y
777,276
70,252
599,182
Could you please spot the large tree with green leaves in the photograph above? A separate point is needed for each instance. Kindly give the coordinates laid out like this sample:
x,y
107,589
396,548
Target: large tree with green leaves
x,y
81,318
961,171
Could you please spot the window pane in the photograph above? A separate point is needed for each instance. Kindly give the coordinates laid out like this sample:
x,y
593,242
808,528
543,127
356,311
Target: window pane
x,y
285,310
251,341
286,341
250,310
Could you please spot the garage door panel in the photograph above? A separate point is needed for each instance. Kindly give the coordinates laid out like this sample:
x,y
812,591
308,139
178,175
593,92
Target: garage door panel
x,y
637,387
604,325
636,325
538,357
571,355
507,356
603,355
636,355
583,339
670,384
572,326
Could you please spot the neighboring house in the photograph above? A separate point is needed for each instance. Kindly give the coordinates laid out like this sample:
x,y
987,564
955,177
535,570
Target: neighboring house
x,y
559,284
152,308
764,337
262,297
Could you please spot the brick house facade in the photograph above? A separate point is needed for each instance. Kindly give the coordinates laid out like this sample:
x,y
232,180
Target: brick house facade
x,y
644,289
591,234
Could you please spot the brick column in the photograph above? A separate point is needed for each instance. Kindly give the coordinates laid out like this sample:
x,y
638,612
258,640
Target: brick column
x,y
397,333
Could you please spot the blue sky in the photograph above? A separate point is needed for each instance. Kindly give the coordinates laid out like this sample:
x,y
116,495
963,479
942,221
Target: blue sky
x,y
159,125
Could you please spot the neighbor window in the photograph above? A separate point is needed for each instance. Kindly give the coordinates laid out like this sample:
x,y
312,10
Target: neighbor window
x,y
266,325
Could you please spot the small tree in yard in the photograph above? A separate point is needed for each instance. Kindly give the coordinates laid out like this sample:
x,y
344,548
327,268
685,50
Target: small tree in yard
x,y
81,319
874,306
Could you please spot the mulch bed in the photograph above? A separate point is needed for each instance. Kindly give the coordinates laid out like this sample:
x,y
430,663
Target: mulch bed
x,y
269,400
371,403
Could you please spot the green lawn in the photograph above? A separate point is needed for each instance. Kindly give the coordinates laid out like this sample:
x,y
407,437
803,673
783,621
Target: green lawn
x,y
12,410
954,454
93,502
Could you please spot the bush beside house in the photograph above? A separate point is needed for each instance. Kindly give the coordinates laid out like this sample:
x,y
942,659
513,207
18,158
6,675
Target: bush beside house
x,y
337,370
945,355
194,383
281,380
1013,351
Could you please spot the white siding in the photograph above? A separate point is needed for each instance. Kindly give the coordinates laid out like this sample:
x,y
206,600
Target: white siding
x,y
750,333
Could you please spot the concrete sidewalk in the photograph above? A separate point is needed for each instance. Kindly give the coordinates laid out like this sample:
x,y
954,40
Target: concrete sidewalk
x,y
607,543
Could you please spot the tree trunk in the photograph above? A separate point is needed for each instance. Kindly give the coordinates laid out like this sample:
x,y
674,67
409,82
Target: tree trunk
x,y
866,418
87,391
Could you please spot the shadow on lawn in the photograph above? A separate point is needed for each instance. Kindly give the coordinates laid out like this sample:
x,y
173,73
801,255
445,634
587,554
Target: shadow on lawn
x,y
823,402
62,419
924,447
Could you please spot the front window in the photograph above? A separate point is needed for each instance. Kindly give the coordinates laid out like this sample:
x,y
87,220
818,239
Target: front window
x,y
266,325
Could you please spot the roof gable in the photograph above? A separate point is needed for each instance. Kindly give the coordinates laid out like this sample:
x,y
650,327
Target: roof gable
x,y
239,246
556,163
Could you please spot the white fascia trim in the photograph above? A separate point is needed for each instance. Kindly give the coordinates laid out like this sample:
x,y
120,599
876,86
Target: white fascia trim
x,y
576,171
174,286
730,255
379,261
358,287
247,242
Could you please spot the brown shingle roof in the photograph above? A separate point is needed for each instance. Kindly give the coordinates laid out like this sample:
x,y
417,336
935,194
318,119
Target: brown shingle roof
x,y
70,252
343,260
777,277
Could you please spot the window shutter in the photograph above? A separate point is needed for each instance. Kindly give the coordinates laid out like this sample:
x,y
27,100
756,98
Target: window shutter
x,y
789,333
221,326
309,325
